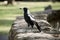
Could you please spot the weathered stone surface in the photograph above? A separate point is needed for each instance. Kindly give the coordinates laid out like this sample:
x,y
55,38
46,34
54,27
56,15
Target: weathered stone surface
x,y
20,30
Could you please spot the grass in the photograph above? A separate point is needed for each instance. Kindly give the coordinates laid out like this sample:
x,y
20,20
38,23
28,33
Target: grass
x,y
8,13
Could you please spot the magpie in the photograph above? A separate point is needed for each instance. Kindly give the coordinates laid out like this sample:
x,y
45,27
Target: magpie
x,y
29,19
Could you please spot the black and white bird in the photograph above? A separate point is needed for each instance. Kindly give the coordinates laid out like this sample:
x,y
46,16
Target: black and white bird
x,y
29,19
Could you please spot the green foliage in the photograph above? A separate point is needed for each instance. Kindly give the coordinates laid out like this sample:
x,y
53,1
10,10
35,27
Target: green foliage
x,y
8,13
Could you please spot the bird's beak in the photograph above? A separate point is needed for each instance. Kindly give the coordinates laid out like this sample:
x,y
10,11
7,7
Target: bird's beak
x,y
20,8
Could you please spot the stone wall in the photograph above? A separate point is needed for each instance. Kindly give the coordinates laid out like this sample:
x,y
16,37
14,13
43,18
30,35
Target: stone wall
x,y
20,31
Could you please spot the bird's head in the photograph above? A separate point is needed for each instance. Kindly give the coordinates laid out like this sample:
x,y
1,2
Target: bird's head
x,y
25,8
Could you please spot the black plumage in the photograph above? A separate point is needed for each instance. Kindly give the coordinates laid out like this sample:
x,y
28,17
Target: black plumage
x,y
29,19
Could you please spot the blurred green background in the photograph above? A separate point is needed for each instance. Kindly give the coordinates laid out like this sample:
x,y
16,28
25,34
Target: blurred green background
x,y
9,13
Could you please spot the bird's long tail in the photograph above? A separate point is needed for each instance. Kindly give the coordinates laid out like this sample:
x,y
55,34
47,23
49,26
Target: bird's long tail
x,y
38,27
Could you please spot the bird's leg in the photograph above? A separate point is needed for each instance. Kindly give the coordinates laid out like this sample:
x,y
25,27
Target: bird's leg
x,y
27,29
28,25
32,26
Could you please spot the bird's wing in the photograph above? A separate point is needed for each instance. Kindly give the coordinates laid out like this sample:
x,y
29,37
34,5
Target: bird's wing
x,y
29,13
31,17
